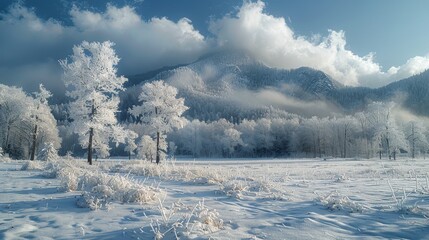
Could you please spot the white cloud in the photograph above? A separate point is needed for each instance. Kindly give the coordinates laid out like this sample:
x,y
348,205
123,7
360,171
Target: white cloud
x,y
142,45
27,40
271,40
271,97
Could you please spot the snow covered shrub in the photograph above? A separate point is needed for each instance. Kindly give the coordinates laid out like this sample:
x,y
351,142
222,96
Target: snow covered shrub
x,y
206,220
334,201
235,188
100,189
69,178
48,152
4,158
181,220
340,178
58,169
98,198
32,165
401,202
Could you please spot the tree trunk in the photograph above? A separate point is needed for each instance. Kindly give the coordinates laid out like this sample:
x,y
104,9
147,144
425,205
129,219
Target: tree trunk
x,y
345,142
7,140
413,140
91,133
33,147
129,155
157,148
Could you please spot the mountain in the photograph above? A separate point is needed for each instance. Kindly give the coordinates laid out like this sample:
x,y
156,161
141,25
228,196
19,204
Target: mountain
x,y
236,86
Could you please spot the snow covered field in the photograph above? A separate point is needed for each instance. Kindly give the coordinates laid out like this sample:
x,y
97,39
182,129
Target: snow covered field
x,y
218,199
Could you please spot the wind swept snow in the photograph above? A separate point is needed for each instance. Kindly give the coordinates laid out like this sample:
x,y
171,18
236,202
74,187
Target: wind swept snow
x,y
217,199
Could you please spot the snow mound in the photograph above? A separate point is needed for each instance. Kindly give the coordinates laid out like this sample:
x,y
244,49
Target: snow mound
x,y
23,230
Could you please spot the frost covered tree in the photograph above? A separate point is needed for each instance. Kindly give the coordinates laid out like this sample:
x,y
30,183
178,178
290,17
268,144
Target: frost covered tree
x,y
48,152
160,111
415,134
39,114
386,132
19,114
147,148
230,140
13,113
130,143
94,86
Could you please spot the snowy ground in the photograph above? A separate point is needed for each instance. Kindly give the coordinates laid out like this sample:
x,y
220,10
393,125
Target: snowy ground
x,y
222,199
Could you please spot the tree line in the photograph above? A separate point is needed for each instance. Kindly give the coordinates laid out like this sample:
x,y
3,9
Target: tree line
x,y
157,128
371,133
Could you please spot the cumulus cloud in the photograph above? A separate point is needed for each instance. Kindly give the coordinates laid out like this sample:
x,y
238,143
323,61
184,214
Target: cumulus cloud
x,y
142,45
28,41
34,44
272,41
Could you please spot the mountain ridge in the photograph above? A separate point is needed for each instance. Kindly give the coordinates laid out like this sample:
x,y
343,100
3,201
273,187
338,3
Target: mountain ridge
x,y
216,80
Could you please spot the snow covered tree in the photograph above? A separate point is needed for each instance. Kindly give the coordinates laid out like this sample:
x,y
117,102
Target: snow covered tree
x,y
41,107
346,127
13,113
93,85
147,148
365,132
130,143
386,132
48,152
415,134
160,111
19,113
230,141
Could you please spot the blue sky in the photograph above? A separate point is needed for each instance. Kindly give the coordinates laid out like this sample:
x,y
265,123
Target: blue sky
x,y
378,35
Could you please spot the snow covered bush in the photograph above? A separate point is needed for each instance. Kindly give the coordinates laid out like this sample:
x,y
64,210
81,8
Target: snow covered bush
x,y
100,189
235,188
32,165
334,201
3,158
180,221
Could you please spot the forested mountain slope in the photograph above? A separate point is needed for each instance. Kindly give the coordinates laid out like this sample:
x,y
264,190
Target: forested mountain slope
x,y
236,86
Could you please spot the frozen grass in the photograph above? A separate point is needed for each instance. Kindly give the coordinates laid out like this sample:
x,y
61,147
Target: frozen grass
x,y
99,189
179,220
231,181
169,171
335,202
402,204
